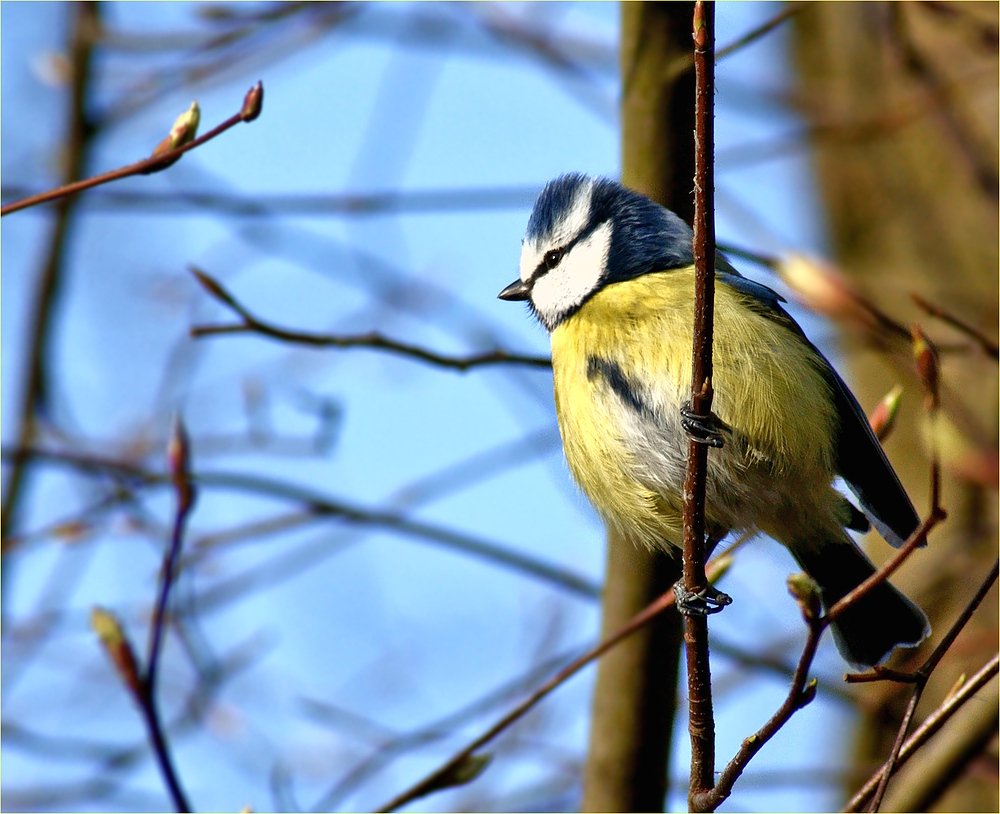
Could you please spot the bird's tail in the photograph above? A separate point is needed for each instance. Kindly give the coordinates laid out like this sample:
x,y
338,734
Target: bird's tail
x,y
868,631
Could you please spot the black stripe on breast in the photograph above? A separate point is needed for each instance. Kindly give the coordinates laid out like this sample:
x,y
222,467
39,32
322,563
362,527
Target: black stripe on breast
x,y
619,383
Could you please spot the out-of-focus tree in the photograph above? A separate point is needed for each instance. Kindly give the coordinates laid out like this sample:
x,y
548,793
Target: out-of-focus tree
x,y
900,101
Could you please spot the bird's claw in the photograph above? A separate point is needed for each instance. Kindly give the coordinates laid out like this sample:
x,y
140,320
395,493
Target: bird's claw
x,y
703,602
701,428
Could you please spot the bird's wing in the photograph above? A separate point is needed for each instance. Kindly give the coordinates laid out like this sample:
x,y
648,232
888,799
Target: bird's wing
x,y
759,291
859,457
862,463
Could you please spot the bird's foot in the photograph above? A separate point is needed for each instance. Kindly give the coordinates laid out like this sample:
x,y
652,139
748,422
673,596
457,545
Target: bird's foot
x,y
700,603
703,429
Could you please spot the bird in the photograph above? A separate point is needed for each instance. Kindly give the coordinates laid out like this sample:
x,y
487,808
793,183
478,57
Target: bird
x,y
610,275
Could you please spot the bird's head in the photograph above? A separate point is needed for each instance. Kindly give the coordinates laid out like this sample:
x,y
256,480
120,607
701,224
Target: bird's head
x,y
586,233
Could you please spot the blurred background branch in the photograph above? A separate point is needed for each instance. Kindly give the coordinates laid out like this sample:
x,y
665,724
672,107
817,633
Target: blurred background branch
x,y
313,658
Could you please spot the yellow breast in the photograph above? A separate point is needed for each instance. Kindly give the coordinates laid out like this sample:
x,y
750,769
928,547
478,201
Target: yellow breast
x,y
768,388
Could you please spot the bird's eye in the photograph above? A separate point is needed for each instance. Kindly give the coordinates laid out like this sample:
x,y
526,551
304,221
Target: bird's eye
x,y
552,258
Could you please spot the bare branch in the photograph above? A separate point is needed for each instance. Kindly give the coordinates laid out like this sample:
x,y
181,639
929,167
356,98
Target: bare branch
x,y
249,111
253,325
800,693
988,345
766,27
323,505
341,204
178,459
701,723
919,678
428,784
931,725
917,540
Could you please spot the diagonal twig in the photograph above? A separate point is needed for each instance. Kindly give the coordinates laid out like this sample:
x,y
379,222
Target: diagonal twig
x,y
930,726
800,693
433,781
254,325
321,504
988,345
248,112
178,456
876,787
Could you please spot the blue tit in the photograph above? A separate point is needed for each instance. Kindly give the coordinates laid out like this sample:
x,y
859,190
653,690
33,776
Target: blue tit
x,y
610,275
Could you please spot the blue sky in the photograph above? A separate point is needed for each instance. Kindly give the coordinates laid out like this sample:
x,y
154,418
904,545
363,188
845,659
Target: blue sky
x,y
393,630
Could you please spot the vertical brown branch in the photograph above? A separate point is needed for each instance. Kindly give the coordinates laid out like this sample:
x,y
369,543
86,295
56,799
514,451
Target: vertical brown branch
x,y
701,723
36,388
178,464
635,698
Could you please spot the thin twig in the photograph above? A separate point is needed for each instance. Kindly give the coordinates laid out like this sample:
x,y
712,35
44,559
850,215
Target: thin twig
x,y
989,346
184,491
919,679
924,671
249,111
253,325
931,725
766,27
916,540
928,369
180,476
433,781
701,722
338,204
800,693
686,63
320,504
389,749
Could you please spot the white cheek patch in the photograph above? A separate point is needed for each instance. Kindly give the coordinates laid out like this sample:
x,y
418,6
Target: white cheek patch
x,y
574,222
577,277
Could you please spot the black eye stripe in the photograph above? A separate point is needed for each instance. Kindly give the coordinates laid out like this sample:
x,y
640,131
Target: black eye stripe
x,y
550,260
552,257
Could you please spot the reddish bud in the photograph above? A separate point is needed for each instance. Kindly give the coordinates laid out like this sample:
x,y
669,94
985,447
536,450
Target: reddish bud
x,y
214,287
179,463
112,637
253,102
928,364
883,417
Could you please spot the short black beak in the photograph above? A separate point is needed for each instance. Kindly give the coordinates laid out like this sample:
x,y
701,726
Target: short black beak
x,y
517,290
